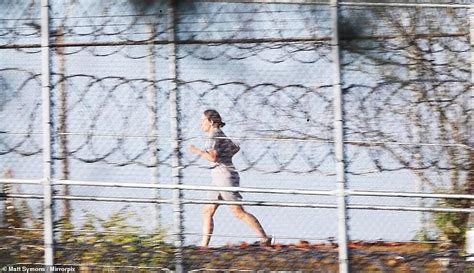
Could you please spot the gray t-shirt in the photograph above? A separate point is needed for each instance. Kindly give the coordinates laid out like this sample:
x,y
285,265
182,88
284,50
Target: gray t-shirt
x,y
224,147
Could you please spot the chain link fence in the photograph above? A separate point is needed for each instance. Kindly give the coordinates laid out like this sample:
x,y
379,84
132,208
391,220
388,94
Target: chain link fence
x,y
121,87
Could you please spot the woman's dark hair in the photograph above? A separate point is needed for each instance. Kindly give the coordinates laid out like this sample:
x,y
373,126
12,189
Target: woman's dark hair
x,y
213,115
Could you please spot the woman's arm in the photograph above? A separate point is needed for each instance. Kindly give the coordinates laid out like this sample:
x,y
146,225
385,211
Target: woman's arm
x,y
210,155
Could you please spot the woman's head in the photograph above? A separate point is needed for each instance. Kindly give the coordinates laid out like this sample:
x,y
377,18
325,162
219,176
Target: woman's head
x,y
211,119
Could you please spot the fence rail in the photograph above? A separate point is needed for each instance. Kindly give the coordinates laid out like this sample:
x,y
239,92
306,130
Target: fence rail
x,y
354,120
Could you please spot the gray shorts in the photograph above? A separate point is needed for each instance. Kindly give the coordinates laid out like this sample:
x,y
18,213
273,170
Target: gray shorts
x,y
224,177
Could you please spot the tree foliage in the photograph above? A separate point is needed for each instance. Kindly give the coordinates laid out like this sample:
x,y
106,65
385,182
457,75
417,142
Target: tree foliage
x,y
412,98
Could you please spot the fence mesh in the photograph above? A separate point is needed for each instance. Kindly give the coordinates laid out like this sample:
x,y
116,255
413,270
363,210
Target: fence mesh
x,y
268,69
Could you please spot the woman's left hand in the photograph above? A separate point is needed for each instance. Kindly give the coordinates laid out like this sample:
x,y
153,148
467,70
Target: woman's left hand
x,y
193,149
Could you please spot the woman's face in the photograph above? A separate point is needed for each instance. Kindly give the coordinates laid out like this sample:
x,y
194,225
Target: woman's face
x,y
206,125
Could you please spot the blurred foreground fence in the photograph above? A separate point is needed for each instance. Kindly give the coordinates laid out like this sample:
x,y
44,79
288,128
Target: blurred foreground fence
x,y
354,121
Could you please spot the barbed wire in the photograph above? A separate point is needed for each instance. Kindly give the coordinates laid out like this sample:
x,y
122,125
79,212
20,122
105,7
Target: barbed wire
x,y
286,52
406,80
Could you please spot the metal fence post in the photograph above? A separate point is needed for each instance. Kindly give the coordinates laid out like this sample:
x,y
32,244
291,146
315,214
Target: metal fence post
x,y
153,131
470,223
339,145
471,34
174,125
46,116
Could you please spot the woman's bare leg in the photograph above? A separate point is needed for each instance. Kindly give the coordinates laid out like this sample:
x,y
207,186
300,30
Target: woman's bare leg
x,y
208,223
251,220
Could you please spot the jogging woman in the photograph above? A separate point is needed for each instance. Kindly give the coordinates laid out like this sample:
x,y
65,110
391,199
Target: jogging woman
x,y
219,151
